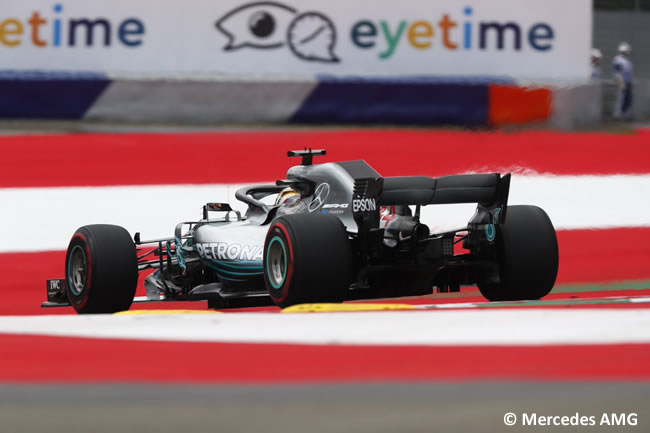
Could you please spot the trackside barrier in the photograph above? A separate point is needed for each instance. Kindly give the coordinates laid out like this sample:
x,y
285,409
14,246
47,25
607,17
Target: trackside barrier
x,y
36,95
513,105
408,101
395,101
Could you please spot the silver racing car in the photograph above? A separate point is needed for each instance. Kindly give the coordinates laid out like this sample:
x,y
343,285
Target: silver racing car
x,y
326,233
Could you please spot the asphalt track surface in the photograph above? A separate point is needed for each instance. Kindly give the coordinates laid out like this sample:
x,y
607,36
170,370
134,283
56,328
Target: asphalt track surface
x,y
64,384
378,408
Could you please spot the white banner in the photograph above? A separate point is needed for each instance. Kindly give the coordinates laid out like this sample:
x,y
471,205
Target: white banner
x,y
544,40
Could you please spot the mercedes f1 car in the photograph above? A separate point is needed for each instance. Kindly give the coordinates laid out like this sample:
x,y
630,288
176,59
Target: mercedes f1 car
x,y
326,233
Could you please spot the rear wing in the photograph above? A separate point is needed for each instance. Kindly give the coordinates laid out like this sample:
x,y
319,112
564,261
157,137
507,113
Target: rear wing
x,y
484,189
489,191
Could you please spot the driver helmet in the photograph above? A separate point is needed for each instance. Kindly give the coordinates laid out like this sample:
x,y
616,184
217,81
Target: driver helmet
x,y
287,197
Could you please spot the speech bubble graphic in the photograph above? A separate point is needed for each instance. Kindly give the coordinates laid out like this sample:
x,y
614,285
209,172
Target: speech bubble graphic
x,y
312,37
257,25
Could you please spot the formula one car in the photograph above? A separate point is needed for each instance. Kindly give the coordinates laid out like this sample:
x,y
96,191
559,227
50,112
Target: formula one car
x,y
327,233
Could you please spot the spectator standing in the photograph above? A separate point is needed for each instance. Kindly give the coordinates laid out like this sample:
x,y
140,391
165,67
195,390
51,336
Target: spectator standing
x,y
623,76
596,56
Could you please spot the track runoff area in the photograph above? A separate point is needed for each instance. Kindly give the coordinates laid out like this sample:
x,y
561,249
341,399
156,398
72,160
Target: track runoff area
x,y
594,326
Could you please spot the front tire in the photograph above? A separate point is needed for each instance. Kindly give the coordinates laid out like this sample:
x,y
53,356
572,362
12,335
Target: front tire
x,y
307,258
527,254
101,269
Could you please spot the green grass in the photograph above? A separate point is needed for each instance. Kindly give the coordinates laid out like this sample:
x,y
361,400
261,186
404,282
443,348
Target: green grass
x,y
600,287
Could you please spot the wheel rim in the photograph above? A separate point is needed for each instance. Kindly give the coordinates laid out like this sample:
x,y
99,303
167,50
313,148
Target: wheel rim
x,y
276,263
77,270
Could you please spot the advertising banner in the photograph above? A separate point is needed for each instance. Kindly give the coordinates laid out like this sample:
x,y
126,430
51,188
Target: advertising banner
x,y
547,39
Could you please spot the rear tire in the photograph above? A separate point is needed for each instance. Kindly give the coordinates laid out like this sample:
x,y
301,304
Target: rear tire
x,y
527,254
101,269
307,258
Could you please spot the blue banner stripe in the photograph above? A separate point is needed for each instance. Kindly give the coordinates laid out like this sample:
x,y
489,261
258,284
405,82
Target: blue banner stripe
x,y
48,98
396,102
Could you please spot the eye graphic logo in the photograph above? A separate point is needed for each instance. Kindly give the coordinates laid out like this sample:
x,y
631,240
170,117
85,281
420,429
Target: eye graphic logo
x,y
311,36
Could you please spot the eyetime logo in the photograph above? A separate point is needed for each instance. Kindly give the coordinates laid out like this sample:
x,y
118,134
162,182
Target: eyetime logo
x,y
449,34
311,36
56,29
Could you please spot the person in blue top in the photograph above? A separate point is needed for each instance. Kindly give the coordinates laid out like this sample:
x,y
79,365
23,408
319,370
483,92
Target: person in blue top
x,y
623,76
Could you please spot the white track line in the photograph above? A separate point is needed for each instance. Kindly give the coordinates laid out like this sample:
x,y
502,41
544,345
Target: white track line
x,y
479,327
39,219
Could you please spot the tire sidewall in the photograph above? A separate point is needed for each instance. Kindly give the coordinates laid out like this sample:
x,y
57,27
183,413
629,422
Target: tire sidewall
x,y
318,259
81,239
528,257
279,232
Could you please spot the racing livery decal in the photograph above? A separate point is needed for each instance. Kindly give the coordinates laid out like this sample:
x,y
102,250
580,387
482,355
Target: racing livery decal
x,y
225,251
320,195
364,205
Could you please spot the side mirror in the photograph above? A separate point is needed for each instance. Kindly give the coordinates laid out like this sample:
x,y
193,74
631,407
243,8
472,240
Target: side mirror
x,y
220,207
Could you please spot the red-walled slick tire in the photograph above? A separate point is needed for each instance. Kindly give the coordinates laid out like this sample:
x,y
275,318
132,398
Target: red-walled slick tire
x,y
101,269
307,258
